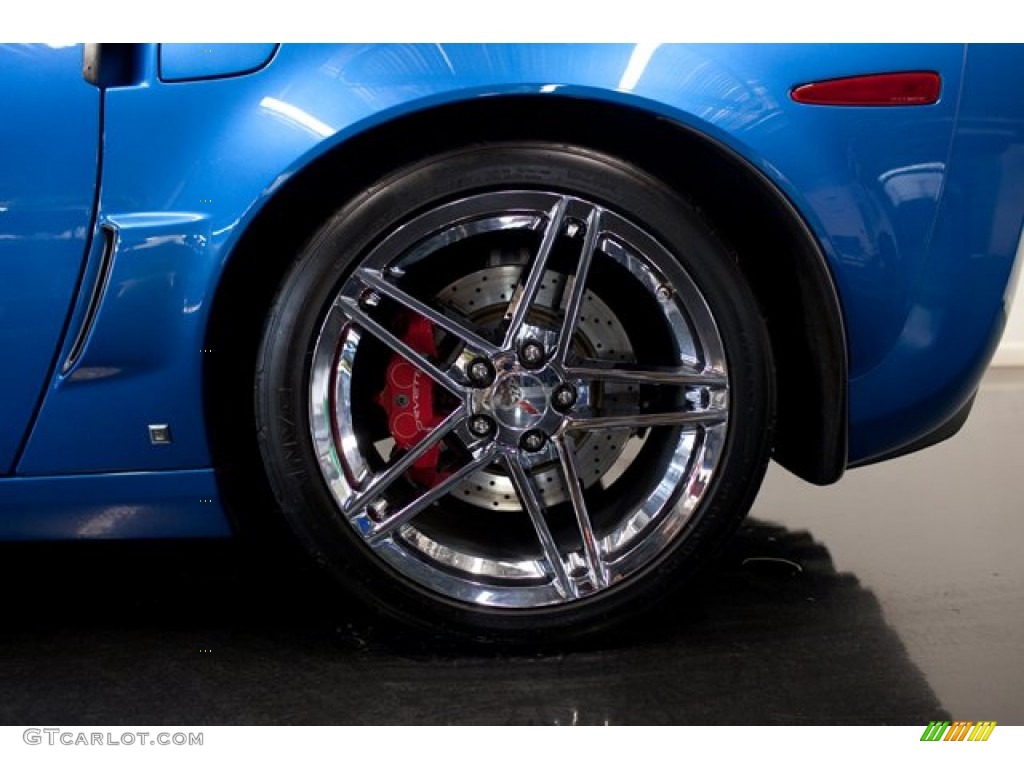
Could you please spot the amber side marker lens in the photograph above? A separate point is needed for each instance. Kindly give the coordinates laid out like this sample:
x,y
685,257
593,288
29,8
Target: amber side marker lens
x,y
891,89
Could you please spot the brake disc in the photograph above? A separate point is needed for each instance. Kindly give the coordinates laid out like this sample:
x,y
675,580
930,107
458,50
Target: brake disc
x,y
483,297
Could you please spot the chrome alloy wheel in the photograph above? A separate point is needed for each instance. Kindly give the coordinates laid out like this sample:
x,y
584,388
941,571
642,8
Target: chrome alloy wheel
x,y
489,408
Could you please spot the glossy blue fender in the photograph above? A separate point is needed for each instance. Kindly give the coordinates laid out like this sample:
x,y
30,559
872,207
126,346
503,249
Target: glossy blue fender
x,y
917,210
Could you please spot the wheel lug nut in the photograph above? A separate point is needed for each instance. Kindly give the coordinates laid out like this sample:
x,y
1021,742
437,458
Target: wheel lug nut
x,y
481,372
533,441
564,397
481,426
531,354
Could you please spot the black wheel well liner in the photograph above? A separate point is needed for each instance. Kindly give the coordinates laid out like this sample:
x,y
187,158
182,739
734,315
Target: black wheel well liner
x,y
776,251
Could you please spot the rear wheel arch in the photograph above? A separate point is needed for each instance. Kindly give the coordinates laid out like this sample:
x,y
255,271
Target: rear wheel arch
x,y
793,287
664,439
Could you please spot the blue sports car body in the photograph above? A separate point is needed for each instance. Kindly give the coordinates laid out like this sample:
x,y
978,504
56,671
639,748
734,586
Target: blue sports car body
x,y
153,197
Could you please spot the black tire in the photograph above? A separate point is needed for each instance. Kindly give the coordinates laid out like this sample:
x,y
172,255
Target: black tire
x,y
640,209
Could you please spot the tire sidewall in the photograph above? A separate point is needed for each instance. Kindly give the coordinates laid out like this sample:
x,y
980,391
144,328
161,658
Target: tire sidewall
x,y
283,370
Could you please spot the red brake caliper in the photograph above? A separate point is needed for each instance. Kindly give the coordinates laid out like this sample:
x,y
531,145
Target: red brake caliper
x,y
408,400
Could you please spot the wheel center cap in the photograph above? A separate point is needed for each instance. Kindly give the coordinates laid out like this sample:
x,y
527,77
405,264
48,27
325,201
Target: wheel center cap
x,y
518,400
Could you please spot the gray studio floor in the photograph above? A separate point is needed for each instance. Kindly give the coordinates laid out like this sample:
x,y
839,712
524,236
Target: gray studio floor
x,y
896,596
938,538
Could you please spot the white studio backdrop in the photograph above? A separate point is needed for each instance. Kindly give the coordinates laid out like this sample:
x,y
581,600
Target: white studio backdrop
x,y
1011,351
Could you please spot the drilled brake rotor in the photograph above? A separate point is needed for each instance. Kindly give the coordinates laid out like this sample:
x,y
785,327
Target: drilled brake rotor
x,y
483,296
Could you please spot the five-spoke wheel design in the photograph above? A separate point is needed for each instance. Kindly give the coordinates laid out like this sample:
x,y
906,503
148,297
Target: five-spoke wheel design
x,y
514,389
501,335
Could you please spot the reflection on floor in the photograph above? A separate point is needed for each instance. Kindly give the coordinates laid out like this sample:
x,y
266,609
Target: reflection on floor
x,y
173,634
937,537
902,604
